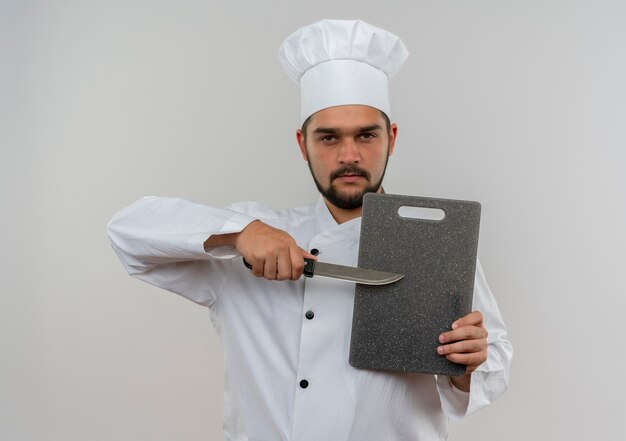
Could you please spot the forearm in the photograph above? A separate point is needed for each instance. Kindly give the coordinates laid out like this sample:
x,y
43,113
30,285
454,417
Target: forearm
x,y
490,379
220,240
462,382
228,239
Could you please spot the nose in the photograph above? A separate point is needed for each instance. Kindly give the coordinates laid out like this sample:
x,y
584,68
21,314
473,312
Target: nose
x,y
349,153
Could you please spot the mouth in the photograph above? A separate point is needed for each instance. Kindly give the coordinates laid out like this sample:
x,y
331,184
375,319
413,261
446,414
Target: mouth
x,y
349,174
348,177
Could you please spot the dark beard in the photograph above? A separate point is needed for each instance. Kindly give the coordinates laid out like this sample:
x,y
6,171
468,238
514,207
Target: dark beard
x,y
347,202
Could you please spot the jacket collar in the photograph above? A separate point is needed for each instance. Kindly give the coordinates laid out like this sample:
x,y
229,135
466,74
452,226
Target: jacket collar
x,y
326,221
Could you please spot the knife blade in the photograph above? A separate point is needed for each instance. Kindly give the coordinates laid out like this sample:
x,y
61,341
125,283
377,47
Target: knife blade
x,y
348,273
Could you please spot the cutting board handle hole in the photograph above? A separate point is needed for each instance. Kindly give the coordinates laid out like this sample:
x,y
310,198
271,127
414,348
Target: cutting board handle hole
x,y
424,213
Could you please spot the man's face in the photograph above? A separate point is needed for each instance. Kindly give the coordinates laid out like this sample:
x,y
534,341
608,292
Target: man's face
x,y
347,148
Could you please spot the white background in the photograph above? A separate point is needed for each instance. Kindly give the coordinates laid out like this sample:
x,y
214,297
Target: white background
x,y
520,105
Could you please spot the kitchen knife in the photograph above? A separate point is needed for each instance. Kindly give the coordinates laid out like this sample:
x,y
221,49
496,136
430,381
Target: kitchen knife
x,y
349,273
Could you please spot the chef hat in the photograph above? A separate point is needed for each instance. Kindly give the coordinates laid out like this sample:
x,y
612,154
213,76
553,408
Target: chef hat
x,y
341,62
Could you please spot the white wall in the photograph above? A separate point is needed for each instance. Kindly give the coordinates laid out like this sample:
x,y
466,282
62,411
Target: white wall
x,y
520,105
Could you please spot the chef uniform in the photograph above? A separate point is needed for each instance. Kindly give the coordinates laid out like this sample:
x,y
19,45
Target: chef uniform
x,y
286,343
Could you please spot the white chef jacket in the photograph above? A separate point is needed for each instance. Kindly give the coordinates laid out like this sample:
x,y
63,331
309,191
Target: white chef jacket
x,y
270,346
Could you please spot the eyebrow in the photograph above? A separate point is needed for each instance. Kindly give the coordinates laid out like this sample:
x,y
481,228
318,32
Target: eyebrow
x,y
335,130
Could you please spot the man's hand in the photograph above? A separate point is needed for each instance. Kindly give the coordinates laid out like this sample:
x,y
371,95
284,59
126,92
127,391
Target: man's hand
x,y
273,253
465,344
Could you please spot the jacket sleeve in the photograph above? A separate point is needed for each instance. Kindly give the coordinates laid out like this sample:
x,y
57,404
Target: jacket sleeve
x,y
161,241
490,379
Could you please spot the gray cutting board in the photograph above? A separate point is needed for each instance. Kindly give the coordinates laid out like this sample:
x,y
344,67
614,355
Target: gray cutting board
x,y
396,327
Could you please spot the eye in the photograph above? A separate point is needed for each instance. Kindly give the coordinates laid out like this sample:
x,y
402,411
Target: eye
x,y
367,136
328,138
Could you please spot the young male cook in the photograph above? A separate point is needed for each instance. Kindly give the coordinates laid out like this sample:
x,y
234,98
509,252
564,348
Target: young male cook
x,y
286,339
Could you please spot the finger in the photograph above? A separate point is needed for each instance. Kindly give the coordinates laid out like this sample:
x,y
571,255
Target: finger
x,y
269,270
297,255
464,333
307,255
474,318
461,347
473,359
283,266
257,266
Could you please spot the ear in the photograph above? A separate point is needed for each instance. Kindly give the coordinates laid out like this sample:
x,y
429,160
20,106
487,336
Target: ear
x,y
393,133
301,144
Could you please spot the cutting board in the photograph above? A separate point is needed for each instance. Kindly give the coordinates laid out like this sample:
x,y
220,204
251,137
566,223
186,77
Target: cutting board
x,y
396,327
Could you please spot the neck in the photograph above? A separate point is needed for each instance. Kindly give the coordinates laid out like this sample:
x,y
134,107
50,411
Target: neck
x,y
342,215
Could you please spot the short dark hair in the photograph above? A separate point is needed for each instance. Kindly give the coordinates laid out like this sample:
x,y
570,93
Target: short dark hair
x,y
307,121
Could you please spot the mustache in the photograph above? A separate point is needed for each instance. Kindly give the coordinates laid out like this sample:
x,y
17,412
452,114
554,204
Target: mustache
x,y
349,170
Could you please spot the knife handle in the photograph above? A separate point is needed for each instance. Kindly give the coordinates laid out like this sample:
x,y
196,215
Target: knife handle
x,y
309,266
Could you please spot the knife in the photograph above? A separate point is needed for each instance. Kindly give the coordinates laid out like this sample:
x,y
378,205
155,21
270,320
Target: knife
x,y
359,275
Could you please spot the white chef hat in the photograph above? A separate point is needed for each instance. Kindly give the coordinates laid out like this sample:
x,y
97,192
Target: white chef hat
x,y
341,62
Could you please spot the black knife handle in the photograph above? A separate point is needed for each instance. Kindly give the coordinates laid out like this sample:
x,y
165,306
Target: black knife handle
x,y
309,266
245,262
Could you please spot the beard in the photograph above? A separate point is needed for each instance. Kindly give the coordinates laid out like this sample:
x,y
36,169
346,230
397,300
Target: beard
x,y
348,201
